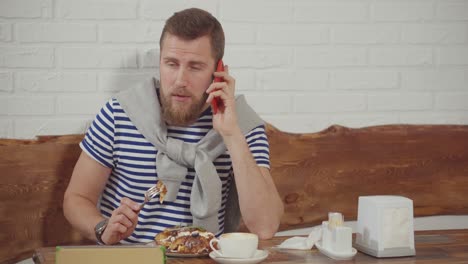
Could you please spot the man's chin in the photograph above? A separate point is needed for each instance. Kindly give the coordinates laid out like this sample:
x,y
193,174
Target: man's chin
x,y
181,117
183,113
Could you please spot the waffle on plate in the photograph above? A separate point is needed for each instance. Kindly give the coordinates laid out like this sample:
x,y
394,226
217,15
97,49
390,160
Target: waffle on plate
x,y
185,240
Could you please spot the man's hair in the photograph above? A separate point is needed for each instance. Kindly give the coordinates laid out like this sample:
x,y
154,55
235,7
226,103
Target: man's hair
x,y
192,23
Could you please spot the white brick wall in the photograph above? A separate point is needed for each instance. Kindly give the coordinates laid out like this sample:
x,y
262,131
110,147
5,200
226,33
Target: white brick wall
x,y
5,32
401,56
6,82
55,32
446,33
27,105
130,32
55,81
73,104
364,80
402,11
453,55
331,11
332,102
400,101
6,128
453,10
297,34
26,57
161,10
303,65
97,10
293,80
98,57
26,9
256,12
365,34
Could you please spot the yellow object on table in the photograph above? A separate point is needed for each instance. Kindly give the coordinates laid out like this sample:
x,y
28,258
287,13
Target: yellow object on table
x,y
110,254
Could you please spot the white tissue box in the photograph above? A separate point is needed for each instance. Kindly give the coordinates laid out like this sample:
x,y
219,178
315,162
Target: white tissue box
x,y
385,226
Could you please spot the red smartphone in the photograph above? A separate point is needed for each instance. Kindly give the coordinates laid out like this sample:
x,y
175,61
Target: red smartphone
x,y
216,101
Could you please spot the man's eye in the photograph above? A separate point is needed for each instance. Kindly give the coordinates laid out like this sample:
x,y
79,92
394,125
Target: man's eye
x,y
195,68
170,64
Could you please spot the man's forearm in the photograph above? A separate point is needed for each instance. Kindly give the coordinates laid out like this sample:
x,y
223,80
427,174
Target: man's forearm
x,y
86,184
260,204
82,214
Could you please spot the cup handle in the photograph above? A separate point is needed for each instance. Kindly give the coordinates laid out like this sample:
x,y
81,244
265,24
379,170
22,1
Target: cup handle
x,y
213,248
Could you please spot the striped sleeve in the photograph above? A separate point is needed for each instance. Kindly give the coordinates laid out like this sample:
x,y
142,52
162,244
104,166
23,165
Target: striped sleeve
x,y
258,144
98,142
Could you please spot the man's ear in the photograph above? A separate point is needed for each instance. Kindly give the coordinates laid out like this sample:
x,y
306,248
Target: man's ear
x,y
156,83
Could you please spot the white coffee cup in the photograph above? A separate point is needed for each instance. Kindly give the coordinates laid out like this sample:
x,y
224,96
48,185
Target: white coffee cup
x,y
236,245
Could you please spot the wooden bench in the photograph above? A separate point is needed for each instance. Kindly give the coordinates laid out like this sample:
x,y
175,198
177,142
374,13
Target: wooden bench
x,y
315,173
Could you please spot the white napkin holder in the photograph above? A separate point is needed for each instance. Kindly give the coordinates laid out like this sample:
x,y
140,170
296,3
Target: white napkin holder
x,y
333,239
385,226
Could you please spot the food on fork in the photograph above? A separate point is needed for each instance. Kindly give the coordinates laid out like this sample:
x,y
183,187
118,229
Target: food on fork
x,y
162,191
185,240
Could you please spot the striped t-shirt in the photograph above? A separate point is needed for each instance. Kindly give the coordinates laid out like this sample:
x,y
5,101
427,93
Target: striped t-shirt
x,y
115,142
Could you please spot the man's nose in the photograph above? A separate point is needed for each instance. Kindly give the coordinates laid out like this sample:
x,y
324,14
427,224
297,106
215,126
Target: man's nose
x,y
181,79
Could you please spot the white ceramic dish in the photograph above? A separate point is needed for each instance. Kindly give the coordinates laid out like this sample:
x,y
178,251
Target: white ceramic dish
x,y
259,256
335,255
184,255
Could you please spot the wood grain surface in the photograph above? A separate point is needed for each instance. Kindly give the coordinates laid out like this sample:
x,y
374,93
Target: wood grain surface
x,y
321,172
33,179
315,173
435,247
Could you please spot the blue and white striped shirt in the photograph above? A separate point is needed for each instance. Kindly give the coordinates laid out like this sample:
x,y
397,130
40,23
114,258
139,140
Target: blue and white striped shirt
x,y
114,141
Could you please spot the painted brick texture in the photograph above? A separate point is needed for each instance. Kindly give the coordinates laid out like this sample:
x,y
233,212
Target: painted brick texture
x,y
303,65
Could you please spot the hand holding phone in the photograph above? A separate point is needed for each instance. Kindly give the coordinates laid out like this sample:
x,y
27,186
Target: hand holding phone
x,y
216,101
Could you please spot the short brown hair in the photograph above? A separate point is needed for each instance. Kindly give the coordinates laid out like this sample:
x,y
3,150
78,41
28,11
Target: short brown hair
x,y
193,23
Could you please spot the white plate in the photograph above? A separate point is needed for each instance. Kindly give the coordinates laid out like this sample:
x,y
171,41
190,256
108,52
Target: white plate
x,y
185,255
335,255
259,256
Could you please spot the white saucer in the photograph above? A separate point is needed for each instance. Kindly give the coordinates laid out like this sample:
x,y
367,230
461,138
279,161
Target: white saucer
x,y
335,255
259,256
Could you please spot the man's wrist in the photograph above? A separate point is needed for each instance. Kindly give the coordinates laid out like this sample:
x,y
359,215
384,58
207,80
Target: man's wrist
x,y
99,230
234,137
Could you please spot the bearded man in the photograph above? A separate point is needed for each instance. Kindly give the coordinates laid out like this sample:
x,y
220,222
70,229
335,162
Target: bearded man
x,y
215,166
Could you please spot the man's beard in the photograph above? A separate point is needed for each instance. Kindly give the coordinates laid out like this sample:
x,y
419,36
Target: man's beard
x,y
181,116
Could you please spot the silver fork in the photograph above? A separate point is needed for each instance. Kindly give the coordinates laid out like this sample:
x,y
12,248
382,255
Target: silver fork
x,y
150,194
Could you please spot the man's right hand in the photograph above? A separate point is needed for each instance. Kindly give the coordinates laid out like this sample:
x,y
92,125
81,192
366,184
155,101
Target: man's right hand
x,y
122,222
